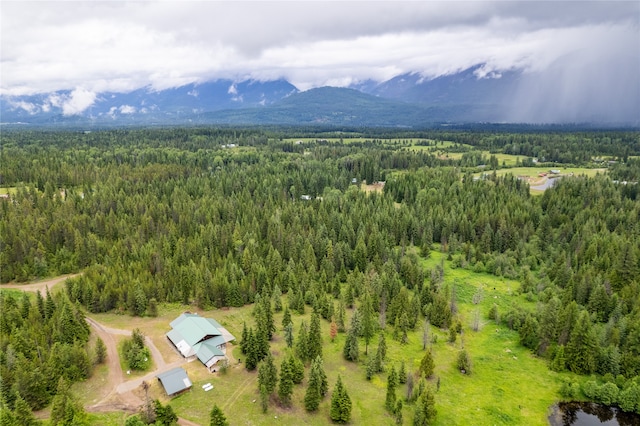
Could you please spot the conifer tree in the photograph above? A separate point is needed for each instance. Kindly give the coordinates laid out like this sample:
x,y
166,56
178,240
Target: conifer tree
x,y
425,413
368,320
351,351
340,403
427,365
101,351
341,317
23,414
297,369
277,298
286,317
402,373
397,412
268,374
217,417
285,387
581,349
392,383
288,334
314,342
317,385
302,351
333,330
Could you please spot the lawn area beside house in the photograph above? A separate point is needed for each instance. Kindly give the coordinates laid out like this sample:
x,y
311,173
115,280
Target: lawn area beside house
x,y
508,384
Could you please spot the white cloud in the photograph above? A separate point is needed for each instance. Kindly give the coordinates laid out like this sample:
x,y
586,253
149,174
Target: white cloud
x,y
127,109
121,46
77,101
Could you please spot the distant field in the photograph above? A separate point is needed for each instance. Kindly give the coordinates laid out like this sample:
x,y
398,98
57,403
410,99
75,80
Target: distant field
x,y
508,385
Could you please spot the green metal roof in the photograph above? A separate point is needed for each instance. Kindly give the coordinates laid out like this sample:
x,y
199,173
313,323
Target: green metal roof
x,y
207,350
175,380
193,328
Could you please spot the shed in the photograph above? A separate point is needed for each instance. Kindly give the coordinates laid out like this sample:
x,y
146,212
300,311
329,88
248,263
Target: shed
x,y
175,381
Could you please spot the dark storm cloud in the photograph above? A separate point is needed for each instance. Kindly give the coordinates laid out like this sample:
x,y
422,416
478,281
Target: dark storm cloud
x,y
120,46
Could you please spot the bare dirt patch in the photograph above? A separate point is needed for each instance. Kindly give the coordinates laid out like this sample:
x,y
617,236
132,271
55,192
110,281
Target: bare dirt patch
x,y
374,187
39,285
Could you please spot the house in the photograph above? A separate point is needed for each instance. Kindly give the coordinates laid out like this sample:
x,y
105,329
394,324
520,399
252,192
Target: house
x,y
198,337
175,381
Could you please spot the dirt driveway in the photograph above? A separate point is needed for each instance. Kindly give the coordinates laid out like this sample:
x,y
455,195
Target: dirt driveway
x,y
40,285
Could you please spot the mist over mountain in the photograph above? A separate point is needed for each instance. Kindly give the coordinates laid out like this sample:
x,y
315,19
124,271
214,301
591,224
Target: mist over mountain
x,y
477,94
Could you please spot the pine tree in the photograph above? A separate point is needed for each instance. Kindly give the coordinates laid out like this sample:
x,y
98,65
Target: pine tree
x,y
23,414
425,413
402,374
101,351
397,412
351,351
285,388
464,362
286,317
217,417
288,334
297,369
277,299
264,398
392,383
427,365
581,349
268,375
244,339
302,351
314,342
340,403
333,330
340,320
368,320
317,385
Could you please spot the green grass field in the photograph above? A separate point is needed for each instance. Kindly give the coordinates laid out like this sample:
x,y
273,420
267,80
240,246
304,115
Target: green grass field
x,y
508,384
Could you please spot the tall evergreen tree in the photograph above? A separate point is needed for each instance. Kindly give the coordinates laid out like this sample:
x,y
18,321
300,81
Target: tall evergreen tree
x,y
314,342
425,413
268,374
340,403
217,417
302,349
285,387
368,320
392,383
427,365
581,349
317,385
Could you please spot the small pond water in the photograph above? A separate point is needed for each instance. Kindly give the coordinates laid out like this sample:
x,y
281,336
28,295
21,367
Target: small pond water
x,y
590,414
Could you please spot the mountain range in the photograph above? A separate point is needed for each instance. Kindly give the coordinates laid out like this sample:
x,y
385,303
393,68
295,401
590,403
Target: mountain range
x,y
407,100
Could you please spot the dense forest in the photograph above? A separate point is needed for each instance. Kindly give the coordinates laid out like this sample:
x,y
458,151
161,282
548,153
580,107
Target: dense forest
x,y
216,217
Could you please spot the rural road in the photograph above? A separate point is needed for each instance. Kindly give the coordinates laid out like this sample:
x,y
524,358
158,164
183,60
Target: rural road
x,y
120,396
117,394
40,285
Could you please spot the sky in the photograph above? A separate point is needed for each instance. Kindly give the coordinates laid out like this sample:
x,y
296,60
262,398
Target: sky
x,y
90,47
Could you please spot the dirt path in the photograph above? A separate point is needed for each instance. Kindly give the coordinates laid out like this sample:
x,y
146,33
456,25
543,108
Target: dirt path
x,y
235,395
118,394
40,285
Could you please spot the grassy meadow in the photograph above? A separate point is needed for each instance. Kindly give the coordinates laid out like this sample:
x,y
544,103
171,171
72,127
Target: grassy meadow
x,y
508,384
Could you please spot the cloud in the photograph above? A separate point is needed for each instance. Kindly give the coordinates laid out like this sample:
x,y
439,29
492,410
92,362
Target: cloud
x,y
127,109
78,101
122,46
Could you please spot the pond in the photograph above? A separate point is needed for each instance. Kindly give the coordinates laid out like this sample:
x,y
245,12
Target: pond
x,y
590,414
